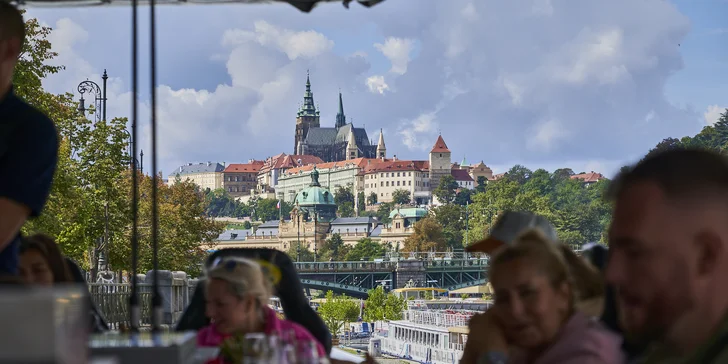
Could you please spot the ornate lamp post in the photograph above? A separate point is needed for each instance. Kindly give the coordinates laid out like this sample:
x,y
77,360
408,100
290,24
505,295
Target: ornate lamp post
x,y
99,100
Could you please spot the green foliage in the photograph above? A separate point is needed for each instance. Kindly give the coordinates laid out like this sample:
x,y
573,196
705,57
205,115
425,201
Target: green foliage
x,y
333,249
463,197
482,184
578,211
427,236
446,190
372,199
401,197
383,212
381,306
344,200
361,201
91,193
305,253
365,249
338,311
221,204
452,219
266,209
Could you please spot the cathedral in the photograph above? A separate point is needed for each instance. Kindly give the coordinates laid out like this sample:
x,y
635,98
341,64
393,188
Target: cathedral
x,y
332,144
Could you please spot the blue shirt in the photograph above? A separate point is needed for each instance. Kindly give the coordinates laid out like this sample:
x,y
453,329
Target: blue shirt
x,y
28,157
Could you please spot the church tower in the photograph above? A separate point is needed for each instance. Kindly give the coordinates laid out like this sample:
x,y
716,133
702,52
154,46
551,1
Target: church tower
x,y
306,118
340,117
440,165
351,149
381,149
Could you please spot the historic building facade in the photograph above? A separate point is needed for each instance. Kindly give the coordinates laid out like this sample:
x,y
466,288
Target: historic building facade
x,y
206,175
331,144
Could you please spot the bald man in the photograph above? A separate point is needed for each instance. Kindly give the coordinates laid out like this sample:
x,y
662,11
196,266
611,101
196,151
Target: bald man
x,y
28,146
669,256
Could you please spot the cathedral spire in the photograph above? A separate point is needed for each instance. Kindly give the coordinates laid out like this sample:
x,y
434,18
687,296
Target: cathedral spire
x,y
340,117
309,107
381,149
352,151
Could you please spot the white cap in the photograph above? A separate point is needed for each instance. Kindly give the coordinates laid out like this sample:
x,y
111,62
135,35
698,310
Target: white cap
x,y
510,226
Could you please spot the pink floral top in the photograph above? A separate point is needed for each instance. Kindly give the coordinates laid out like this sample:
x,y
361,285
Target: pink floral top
x,y
209,336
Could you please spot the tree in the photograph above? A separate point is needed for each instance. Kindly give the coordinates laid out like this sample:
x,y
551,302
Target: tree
x,y
518,174
382,306
445,191
482,184
401,197
361,206
185,233
383,212
305,253
365,249
221,204
337,311
665,145
427,236
372,199
452,219
721,128
266,209
344,200
463,197
247,225
333,248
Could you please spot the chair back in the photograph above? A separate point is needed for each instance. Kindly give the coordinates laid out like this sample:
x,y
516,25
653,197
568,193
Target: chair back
x,y
288,289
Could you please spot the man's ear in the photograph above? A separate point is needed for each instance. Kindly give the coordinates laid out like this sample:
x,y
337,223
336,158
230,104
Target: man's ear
x,y
709,247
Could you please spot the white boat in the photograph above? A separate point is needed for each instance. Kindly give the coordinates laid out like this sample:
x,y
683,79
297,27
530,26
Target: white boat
x,y
432,337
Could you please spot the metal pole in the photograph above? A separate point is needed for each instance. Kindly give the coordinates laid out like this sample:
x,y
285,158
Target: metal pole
x,y
104,77
298,237
467,225
315,236
106,235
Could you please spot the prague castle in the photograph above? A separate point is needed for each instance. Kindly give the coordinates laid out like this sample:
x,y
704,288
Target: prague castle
x,y
341,142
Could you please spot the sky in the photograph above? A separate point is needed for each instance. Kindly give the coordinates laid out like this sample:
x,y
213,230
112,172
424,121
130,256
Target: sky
x,y
589,85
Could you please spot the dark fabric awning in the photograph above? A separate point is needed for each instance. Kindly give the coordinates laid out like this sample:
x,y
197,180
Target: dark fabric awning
x,y
303,5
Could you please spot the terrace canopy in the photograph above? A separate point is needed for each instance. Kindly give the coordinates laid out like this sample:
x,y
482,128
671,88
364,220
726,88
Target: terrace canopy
x,y
303,5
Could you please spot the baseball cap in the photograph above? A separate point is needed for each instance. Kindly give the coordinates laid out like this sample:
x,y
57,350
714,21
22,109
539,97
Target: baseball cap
x,y
510,226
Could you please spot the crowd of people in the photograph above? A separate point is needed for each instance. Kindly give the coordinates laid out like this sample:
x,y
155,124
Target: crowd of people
x,y
660,296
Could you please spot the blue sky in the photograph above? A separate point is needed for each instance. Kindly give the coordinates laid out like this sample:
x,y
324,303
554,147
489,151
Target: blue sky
x,y
544,83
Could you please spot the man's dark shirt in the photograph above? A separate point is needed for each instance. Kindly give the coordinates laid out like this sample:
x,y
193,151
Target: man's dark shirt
x,y
28,157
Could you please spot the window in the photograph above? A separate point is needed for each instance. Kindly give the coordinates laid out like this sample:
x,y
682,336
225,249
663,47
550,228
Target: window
x,y
397,174
409,183
381,184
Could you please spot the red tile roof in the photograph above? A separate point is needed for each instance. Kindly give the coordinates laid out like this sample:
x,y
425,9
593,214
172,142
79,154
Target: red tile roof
x,y
283,161
397,166
498,176
359,162
440,146
589,177
243,168
461,175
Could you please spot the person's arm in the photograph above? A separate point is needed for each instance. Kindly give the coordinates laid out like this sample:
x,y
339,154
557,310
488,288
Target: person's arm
x,y
26,173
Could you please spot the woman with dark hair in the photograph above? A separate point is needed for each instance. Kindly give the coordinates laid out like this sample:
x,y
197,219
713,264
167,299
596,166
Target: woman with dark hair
x,y
41,262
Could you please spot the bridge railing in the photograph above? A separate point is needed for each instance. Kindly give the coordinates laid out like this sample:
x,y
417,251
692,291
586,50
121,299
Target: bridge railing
x,y
452,264
322,267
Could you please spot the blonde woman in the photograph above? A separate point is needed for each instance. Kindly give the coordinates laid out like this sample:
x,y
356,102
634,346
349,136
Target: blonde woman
x,y
237,293
540,288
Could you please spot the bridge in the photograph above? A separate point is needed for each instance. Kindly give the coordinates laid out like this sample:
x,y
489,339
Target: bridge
x,y
357,278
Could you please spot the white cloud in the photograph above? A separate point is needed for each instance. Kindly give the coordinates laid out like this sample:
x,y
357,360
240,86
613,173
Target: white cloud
x,y
590,84
377,84
398,51
414,131
307,44
712,115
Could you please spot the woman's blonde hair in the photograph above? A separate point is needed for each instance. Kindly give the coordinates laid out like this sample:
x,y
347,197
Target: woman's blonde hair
x,y
245,277
557,261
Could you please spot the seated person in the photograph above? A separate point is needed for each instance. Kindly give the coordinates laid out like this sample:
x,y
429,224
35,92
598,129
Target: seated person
x,y
535,316
42,264
237,293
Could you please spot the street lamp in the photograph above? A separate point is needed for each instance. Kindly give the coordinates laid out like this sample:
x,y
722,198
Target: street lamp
x,y
99,100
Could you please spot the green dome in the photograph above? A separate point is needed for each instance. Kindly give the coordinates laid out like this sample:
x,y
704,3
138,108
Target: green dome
x,y
317,200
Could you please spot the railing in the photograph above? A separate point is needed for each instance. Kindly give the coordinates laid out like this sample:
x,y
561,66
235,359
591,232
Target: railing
x,y
112,299
435,318
323,267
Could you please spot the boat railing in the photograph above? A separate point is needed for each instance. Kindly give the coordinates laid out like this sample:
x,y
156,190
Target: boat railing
x,y
457,347
437,318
